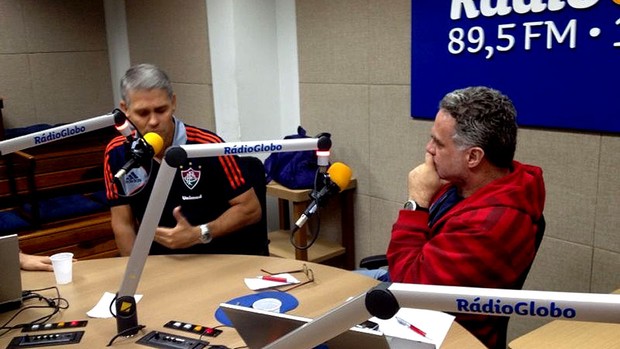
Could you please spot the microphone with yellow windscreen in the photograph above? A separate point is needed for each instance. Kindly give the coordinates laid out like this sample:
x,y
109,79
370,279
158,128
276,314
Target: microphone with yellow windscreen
x,y
155,141
340,174
142,149
337,179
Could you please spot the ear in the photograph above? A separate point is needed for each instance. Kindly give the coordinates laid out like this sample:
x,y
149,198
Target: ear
x,y
174,102
123,106
474,156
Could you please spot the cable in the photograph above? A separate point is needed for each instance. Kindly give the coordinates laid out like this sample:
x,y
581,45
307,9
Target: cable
x,y
213,328
122,333
125,331
314,235
56,304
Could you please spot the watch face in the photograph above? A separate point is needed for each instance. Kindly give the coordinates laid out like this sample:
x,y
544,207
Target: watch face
x,y
410,205
205,235
206,238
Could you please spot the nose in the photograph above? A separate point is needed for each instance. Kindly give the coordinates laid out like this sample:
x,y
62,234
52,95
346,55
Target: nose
x,y
430,147
153,120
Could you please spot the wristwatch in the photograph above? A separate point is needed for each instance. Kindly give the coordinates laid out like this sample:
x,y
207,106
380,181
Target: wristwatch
x,y
411,205
205,234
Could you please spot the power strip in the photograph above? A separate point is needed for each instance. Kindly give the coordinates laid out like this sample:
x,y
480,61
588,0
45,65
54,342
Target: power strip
x,y
41,340
192,328
54,326
164,340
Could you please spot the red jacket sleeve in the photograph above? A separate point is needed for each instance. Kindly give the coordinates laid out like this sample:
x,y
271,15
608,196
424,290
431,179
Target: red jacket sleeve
x,y
486,247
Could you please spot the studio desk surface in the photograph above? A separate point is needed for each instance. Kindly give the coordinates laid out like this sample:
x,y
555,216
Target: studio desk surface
x,y
565,334
189,289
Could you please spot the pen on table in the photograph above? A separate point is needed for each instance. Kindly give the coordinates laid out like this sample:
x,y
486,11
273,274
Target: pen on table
x,y
274,278
411,327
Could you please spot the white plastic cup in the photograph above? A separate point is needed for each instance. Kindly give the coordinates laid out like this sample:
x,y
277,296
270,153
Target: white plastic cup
x,y
268,304
63,267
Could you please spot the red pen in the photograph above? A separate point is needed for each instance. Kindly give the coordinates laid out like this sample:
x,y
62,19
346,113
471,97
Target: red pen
x,y
274,278
411,327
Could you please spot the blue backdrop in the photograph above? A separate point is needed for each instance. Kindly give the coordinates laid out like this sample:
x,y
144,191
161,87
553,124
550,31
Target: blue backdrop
x,y
556,59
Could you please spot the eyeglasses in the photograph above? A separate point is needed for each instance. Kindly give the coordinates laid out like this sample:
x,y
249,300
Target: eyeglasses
x,y
307,271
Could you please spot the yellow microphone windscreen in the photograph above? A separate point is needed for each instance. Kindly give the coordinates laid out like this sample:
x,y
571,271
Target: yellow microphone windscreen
x,y
340,174
155,141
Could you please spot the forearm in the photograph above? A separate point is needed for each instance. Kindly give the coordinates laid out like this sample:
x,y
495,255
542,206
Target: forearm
x,y
32,262
244,210
234,219
123,228
469,250
409,235
124,241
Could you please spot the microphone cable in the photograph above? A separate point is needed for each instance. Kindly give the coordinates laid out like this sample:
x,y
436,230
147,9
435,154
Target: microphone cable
x,y
124,332
314,235
55,303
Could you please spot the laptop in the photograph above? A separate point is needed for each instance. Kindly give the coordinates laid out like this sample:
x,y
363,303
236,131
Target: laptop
x,y
10,273
251,324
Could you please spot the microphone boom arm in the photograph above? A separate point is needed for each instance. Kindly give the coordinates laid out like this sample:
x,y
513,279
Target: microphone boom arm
x,y
57,133
384,300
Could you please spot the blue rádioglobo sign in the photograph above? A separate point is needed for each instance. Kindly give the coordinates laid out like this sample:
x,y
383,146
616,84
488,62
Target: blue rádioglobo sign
x,y
558,60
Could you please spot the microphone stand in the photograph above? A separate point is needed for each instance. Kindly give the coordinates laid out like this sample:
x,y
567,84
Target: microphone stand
x,y
384,301
320,181
318,199
126,311
57,133
116,117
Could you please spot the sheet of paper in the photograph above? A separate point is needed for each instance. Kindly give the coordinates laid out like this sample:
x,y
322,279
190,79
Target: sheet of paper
x,y
257,283
436,324
102,309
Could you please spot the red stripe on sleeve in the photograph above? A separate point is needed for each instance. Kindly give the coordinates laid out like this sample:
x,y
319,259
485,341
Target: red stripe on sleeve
x,y
229,164
110,187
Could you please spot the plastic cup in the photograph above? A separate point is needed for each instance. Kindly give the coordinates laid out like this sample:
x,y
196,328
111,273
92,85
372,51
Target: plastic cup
x,y
63,267
268,304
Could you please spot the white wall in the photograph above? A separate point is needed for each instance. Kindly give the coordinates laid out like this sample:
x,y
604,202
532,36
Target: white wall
x,y
118,43
254,68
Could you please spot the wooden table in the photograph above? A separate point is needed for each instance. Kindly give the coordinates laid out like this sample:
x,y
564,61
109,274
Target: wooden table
x,y
564,334
189,288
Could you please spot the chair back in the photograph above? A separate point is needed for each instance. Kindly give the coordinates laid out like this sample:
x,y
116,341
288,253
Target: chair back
x,y
255,174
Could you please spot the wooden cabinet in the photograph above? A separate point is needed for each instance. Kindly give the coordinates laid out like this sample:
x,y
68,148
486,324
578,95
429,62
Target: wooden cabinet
x,y
322,251
55,192
87,237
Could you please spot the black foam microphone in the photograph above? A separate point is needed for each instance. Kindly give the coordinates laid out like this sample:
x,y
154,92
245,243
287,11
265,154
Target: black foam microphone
x,y
337,179
141,148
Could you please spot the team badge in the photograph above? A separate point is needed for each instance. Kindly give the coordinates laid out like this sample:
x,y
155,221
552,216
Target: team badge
x,y
190,177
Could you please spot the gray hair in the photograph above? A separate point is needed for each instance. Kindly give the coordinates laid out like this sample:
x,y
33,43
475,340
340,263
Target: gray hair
x,y
485,118
144,77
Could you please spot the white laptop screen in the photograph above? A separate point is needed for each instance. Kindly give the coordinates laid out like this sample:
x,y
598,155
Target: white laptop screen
x,y
258,328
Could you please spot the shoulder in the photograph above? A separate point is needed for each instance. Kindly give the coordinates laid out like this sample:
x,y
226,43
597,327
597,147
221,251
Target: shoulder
x,y
199,135
526,169
115,144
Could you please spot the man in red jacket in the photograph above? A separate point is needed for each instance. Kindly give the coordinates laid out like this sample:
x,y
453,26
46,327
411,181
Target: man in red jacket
x,y
473,212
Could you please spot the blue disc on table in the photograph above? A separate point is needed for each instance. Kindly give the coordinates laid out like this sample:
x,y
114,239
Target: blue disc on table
x,y
289,302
